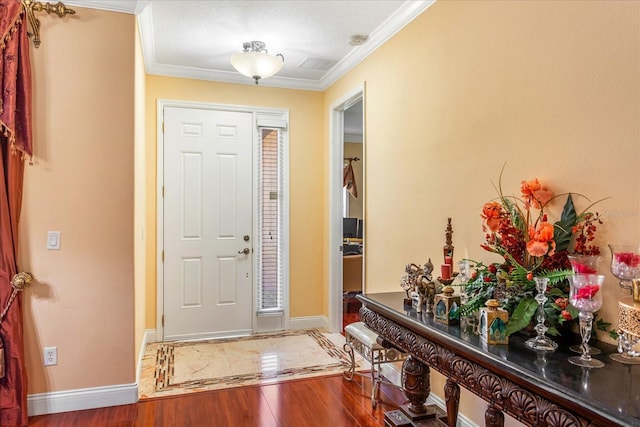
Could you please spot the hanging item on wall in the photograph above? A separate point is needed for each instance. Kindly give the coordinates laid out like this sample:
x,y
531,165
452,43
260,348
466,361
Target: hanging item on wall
x,y
349,179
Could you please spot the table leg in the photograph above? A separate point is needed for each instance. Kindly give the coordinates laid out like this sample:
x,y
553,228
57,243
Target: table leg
x,y
452,398
416,386
493,417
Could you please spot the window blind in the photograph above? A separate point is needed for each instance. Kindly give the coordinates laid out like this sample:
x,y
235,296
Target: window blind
x,y
270,222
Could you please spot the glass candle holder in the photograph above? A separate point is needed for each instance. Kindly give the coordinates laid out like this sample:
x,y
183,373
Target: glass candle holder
x,y
541,342
586,296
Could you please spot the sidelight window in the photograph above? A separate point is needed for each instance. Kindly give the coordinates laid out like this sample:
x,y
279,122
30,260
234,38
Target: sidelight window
x,y
271,221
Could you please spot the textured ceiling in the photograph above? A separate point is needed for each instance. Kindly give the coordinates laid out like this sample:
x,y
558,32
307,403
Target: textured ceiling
x,y
196,39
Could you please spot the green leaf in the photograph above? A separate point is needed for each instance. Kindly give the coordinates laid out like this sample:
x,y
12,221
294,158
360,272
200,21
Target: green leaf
x,y
553,331
522,315
573,311
562,228
613,334
476,302
555,292
601,325
555,276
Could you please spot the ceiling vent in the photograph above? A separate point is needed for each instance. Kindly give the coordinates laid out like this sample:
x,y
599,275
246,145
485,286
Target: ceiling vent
x,y
317,64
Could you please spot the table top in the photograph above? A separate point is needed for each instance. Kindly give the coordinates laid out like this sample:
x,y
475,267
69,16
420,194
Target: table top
x,y
612,392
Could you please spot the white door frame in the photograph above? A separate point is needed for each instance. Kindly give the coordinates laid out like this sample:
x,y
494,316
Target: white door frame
x,y
266,322
336,159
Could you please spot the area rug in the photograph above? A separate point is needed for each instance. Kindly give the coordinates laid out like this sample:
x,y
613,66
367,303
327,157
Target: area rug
x,y
184,367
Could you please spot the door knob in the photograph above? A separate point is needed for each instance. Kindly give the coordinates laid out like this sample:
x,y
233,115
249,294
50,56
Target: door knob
x,y
245,251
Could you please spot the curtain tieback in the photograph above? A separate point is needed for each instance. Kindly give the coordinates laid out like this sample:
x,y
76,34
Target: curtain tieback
x,y
19,282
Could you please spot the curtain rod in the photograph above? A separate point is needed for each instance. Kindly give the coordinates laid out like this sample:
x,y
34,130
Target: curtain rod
x,y
31,7
352,159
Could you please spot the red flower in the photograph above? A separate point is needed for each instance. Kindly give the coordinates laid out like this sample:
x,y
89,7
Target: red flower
x,y
566,315
587,291
530,275
486,279
583,269
629,258
493,269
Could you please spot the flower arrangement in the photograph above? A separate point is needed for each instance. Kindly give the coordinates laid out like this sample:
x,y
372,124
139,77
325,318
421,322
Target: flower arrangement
x,y
519,230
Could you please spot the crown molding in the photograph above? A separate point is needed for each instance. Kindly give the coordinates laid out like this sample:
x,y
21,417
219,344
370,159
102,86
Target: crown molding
x,y
401,17
404,15
125,6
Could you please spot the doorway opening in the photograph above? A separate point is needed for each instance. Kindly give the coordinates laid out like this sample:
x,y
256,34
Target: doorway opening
x,y
346,212
353,244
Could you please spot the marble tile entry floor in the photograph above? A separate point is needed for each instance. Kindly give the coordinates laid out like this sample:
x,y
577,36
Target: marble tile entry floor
x,y
172,368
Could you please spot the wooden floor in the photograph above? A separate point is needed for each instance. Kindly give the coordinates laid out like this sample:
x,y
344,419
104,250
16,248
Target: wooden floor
x,y
317,402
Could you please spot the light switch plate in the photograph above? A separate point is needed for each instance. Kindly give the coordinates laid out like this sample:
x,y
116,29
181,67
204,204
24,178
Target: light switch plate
x,y
53,240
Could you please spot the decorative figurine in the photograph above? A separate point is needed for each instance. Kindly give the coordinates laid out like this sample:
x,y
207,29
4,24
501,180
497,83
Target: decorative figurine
x,y
447,307
493,323
409,281
426,293
446,270
427,269
426,288
448,247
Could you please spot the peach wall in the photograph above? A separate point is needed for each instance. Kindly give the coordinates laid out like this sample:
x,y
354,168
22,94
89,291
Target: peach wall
x,y
81,184
549,88
306,177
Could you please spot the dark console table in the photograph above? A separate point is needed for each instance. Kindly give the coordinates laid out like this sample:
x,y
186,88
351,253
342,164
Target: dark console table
x,y
536,390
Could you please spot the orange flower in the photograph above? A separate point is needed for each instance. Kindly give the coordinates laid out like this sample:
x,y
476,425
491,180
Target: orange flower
x,y
491,212
541,242
535,194
562,303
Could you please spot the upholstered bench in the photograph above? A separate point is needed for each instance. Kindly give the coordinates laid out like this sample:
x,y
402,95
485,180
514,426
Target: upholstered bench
x,y
360,338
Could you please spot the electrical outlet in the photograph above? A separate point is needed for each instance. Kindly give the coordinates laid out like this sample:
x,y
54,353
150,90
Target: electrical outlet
x,y
50,356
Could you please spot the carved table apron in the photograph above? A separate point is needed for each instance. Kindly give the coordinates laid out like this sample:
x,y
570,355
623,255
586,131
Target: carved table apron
x,y
536,390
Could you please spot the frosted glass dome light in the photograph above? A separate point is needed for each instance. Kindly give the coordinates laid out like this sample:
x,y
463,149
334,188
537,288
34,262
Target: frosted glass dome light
x,y
255,62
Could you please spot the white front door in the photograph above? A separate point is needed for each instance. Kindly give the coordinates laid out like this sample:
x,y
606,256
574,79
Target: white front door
x,y
207,223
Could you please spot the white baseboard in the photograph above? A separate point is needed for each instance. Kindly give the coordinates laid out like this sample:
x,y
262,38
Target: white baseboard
x,y
80,399
309,322
151,335
148,337
393,373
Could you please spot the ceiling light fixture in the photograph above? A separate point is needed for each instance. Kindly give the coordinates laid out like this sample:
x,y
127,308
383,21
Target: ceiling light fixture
x,y
254,61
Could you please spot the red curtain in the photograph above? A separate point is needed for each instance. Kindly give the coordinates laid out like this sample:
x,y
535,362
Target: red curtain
x,y
15,145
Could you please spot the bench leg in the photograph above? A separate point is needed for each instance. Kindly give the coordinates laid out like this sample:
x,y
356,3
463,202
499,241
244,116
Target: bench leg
x,y
348,374
375,386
